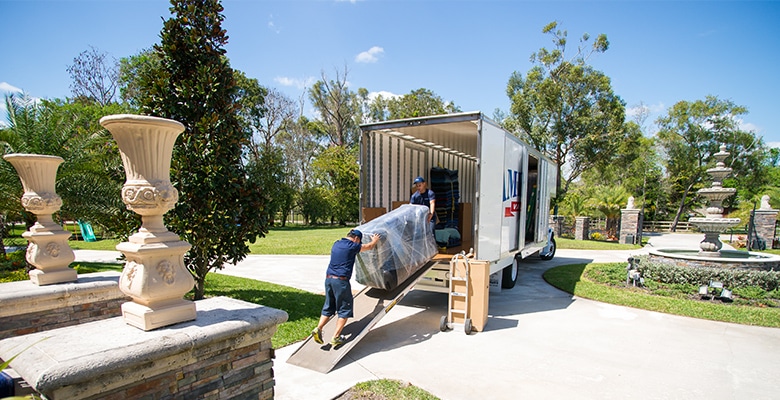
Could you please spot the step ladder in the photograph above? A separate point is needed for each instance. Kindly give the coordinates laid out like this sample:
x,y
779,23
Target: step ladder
x,y
458,293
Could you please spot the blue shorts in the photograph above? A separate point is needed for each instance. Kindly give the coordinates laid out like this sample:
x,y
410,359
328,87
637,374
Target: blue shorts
x,y
338,298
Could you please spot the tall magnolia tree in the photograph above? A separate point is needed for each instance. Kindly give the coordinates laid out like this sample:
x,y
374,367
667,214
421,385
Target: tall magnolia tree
x,y
219,209
566,108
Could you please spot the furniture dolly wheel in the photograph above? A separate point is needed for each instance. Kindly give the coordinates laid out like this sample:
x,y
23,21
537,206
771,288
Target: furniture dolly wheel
x,y
443,326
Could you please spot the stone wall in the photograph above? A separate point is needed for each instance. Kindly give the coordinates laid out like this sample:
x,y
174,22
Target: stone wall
x,y
28,308
244,372
582,228
630,226
23,324
225,353
764,221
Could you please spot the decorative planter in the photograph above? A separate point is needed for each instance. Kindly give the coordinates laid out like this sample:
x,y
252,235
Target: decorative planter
x,y
154,274
48,248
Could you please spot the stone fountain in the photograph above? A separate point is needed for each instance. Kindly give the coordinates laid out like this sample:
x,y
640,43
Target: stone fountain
x,y
713,224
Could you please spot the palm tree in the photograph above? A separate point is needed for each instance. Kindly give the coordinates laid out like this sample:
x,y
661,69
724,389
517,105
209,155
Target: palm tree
x,y
608,200
90,178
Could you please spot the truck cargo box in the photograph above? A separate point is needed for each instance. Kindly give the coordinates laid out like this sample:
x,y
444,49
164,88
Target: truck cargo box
x,y
492,190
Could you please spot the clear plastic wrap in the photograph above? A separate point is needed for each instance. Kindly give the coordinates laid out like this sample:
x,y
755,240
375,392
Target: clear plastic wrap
x,y
406,244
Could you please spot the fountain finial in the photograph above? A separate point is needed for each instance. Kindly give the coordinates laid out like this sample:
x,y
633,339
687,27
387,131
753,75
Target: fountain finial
x,y
765,203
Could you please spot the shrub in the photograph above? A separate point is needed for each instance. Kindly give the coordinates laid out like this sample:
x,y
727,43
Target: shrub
x,y
596,236
14,261
731,278
751,292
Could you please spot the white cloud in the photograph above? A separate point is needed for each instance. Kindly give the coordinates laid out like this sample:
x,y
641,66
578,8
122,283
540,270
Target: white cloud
x,y
6,87
386,95
272,25
370,56
294,82
651,109
774,144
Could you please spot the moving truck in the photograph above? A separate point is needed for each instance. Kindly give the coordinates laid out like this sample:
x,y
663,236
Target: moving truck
x,y
497,188
492,200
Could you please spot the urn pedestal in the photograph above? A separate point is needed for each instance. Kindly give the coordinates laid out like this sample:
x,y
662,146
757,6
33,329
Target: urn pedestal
x,y
154,275
48,248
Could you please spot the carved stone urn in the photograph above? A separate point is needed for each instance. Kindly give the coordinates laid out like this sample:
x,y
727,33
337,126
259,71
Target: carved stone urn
x,y
154,274
48,248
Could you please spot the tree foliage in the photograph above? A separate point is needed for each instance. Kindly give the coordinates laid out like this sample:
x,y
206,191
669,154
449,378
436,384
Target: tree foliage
x,y
338,108
567,109
90,178
691,133
219,208
338,169
94,76
419,103
131,70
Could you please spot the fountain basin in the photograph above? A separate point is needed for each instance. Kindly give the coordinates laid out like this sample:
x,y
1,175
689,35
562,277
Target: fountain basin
x,y
728,259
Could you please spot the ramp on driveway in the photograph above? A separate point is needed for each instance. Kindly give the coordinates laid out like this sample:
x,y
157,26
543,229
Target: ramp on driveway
x,y
370,305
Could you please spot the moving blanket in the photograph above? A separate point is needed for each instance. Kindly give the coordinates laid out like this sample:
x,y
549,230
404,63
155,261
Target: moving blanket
x,y
406,244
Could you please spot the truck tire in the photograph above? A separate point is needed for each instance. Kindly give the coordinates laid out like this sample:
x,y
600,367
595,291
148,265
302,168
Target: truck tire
x,y
509,275
550,255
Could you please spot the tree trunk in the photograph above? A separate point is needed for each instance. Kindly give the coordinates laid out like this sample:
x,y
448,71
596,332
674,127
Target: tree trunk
x,y
200,288
3,232
673,228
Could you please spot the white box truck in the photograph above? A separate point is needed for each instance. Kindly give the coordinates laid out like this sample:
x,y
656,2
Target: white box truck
x,y
498,193
503,184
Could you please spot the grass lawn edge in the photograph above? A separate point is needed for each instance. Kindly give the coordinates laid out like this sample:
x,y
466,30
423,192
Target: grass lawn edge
x,y
570,278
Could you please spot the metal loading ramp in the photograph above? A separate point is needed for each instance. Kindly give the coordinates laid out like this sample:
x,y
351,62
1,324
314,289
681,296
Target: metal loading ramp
x,y
369,306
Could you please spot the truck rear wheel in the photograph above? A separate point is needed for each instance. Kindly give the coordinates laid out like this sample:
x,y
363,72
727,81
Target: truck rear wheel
x,y
509,275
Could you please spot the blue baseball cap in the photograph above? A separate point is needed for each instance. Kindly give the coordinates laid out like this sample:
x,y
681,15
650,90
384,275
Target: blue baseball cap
x,y
356,233
418,180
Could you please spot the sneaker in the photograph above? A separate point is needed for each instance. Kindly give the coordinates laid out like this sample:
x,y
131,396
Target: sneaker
x,y
338,340
316,334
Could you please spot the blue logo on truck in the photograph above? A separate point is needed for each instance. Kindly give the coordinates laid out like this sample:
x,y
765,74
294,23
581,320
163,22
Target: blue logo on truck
x,y
510,192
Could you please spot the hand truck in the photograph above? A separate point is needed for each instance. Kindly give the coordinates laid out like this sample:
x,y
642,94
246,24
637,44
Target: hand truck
x,y
459,290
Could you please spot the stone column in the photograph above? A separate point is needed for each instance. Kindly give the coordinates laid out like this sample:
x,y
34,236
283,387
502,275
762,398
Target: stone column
x,y
48,248
630,224
582,228
154,275
764,220
556,223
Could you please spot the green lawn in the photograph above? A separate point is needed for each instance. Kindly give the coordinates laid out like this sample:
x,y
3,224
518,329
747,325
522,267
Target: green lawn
x,y
293,240
564,243
575,279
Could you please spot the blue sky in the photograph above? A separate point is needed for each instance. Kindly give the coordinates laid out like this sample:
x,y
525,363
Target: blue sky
x,y
661,52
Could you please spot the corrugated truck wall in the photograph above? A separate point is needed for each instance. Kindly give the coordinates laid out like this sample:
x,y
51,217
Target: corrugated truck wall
x,y
389,165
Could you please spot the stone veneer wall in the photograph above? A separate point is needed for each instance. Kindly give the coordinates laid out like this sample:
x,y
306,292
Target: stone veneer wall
x,y
240,373
28,308
630,224
225,353
22,324
582,228
764,221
